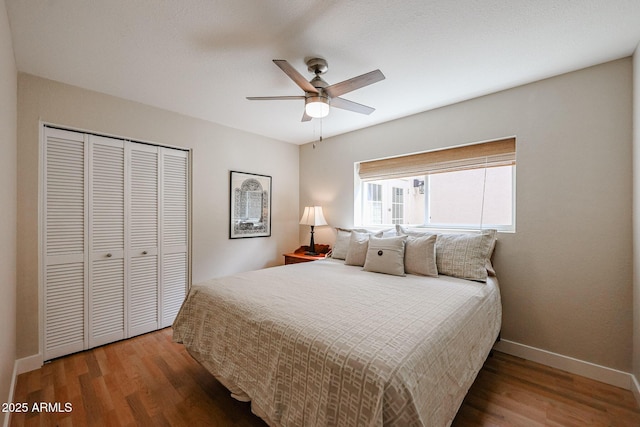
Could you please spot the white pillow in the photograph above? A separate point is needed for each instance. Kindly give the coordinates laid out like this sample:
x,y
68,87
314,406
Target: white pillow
x,y
341,245
357,252
403,231
465,255
386,255
391,232
420,255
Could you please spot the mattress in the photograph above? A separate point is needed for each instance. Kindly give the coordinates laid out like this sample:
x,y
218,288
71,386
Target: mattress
x,y
326,344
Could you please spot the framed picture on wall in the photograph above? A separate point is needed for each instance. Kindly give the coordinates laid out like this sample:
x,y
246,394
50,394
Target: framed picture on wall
x,y
250,205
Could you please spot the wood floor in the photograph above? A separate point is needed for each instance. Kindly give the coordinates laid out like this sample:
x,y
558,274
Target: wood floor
x,y
150,381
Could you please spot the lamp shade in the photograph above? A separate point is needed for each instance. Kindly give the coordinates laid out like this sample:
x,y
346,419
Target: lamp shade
x,y
313,216
316,106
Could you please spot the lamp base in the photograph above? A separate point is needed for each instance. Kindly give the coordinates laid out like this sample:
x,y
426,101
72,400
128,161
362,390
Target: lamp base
x,y
312,245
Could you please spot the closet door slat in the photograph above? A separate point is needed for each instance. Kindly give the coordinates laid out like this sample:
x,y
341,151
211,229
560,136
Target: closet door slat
x,y
175,285
106,240
175,206
144,218
143,288
144,199
65,187
64,309
175,216
64,243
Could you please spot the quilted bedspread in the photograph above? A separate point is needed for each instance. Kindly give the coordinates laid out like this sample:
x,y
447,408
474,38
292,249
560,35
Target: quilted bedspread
x,y
325,344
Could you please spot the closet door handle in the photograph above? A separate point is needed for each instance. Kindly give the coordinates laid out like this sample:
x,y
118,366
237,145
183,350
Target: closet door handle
x,y
144,252
109,255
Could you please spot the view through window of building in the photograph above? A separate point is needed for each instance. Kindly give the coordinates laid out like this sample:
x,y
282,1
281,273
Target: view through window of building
x,y
374,203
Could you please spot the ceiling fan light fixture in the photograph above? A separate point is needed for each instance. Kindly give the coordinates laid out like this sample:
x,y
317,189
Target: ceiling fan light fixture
x,y
316,106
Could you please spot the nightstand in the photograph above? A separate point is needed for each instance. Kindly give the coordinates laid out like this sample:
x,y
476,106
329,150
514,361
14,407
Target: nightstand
x,y
298,255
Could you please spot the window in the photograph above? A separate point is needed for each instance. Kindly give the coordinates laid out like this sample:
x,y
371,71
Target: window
x,y
463,187
397,205
374,203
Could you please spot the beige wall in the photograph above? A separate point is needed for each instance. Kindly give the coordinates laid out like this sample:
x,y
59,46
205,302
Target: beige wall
x,y
216,151
8,206
566,274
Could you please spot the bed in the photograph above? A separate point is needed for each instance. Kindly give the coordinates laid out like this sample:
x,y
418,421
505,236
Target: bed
x,y
328,344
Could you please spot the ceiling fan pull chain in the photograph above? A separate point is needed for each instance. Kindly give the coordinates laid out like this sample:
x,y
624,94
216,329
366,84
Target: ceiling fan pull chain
x,y
319,139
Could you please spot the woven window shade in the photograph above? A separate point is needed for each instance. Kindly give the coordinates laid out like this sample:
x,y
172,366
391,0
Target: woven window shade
x,y
487,154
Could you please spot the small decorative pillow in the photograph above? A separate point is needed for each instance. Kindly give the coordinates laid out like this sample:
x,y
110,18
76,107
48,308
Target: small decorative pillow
x,y
358,244
341,245
386,255
420,255
465,255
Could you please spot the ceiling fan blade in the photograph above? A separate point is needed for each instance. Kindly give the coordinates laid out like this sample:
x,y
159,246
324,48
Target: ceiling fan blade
x,y
354,83
345,104
295,75
305,117
273,98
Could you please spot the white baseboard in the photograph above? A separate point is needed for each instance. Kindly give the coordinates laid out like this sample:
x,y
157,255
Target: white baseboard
x,y
569,364
635,388
29,363
20,366
12,387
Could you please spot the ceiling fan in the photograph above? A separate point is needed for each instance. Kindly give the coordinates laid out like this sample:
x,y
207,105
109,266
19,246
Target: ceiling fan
x,y
318,94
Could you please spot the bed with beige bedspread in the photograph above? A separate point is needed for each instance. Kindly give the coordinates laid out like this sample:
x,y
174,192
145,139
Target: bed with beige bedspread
x,y
328,344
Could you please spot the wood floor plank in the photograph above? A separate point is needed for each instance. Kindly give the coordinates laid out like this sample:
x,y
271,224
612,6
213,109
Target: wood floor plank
x,y
120,403
90,401
565,399
149,380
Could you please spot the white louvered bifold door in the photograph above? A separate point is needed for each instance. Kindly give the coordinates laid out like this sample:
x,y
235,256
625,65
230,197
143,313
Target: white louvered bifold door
x,y
115,259
174,232
64,242
106,241
143,239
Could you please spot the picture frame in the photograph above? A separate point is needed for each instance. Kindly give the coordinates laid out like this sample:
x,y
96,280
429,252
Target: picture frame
x,y
249,205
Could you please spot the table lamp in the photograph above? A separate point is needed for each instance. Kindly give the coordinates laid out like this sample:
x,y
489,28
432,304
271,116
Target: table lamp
x,y
312,216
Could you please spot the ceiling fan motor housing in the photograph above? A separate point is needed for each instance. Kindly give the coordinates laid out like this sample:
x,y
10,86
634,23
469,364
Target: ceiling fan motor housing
x,y
318,83
317,66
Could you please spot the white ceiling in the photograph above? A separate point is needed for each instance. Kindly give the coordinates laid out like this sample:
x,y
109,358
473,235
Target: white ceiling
x,y
203,57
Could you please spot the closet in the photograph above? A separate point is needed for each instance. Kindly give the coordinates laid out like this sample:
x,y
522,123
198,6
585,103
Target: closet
x,y
115,239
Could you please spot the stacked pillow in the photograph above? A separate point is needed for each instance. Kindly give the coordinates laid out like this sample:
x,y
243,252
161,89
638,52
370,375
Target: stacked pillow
x,y
355,240
415,251
343,238
377,251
